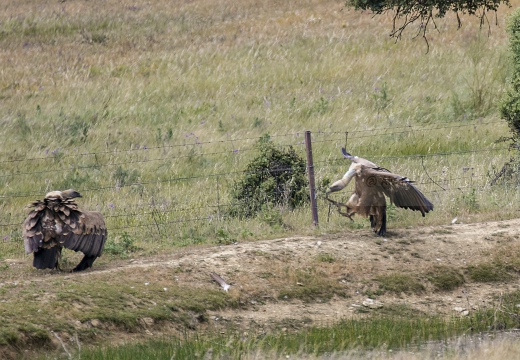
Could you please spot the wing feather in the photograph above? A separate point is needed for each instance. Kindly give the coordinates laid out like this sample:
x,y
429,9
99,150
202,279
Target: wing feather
x,y
32,220
88,233
400,190
55,222
32,230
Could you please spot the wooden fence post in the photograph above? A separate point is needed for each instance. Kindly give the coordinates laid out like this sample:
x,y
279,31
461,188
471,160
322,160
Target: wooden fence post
x,y
310,172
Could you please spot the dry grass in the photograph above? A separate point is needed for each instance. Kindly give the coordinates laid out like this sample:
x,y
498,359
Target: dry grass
x,y
140,107
110,77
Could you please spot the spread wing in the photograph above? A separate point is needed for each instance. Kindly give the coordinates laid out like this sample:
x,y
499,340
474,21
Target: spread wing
x,y
63,224
86,233
357,159
399,189
361,161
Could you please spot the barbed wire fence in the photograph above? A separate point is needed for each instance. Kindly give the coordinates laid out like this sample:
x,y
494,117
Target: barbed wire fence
x,y
180,193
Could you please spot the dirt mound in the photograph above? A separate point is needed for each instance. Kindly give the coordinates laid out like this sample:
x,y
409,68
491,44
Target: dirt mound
x,y
298,281
353,260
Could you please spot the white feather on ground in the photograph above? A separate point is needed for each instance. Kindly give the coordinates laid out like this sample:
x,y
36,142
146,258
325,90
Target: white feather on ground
x,y
220,281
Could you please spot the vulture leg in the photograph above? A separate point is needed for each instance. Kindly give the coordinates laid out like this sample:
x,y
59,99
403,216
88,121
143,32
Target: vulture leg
x,y
372,221
382,231
352,205
85,263
47,258
378,223
378,219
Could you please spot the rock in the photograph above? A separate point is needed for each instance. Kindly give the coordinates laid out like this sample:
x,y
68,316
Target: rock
x,y
95,323
77,324
372,304
147,321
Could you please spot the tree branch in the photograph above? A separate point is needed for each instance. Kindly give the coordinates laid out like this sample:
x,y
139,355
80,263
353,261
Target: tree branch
x,y
408,12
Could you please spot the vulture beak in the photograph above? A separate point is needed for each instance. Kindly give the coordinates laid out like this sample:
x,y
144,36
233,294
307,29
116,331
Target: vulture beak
x,y
337,186
341,184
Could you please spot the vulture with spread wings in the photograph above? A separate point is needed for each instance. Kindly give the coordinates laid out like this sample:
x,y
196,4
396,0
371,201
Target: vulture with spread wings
x,y
56,222
372,183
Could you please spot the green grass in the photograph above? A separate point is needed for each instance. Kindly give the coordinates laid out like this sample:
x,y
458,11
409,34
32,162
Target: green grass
x,y
488,272
445,278
309,284
400,283
387,332
72,306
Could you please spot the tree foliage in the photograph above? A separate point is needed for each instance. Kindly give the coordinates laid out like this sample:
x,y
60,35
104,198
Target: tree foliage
x,y
425,11
275,177
510,104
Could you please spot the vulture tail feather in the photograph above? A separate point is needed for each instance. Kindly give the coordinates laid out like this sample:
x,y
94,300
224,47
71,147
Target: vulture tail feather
x,y
47,258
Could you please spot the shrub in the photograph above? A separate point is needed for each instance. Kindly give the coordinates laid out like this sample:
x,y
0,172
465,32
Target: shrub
x,y
276,177
510,106
123,247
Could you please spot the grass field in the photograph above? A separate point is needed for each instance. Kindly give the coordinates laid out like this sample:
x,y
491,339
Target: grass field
x,y
152,111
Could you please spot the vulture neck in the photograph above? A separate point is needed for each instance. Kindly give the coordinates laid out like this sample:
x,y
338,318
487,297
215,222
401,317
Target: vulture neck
x,y
349,174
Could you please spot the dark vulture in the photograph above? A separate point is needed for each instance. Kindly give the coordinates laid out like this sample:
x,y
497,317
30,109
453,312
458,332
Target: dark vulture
x,y
372,184
56,222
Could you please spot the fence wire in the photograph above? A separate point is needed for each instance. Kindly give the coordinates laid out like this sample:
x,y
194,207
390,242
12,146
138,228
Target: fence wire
x,y
171,190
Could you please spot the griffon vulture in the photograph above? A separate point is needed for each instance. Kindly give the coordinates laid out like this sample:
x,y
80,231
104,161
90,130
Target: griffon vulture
x,y
56,222
372,184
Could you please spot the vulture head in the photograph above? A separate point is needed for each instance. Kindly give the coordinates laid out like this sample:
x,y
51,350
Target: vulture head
x,y
62,195
56,222
372,185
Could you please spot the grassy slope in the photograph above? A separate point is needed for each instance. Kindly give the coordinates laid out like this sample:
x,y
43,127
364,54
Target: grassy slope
x,y
84,85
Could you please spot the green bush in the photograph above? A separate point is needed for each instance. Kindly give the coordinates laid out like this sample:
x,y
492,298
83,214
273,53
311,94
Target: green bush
x,y
123,247
276,177
510,106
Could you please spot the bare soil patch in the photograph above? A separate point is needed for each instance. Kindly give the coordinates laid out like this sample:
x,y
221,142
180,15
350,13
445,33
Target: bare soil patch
x,y
356,259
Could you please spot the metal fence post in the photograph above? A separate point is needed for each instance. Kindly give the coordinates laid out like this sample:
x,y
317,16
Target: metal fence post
x,y
310,172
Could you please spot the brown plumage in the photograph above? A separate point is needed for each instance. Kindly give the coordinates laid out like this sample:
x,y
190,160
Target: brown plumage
x,y
56,222
372,184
